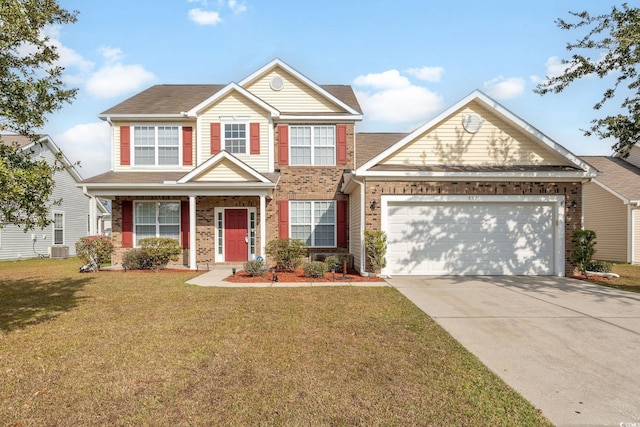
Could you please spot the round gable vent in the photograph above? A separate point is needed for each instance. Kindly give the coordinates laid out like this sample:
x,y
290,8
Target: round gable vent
x,y
277,83
472,123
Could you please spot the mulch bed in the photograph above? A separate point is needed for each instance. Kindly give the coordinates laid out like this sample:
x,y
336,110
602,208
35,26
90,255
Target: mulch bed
x,y
298,276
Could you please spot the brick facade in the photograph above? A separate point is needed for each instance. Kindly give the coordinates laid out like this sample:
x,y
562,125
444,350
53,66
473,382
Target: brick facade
x,y
571,190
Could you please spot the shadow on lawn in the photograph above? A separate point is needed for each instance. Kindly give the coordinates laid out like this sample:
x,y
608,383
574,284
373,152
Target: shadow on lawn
x,y
28,302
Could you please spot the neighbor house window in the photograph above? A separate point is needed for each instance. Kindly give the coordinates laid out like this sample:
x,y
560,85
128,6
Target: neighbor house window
x,y
313,145
235,138
156,145
313,222
157,219
58,228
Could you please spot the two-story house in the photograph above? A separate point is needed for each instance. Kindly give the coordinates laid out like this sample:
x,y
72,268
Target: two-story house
x,y
227,168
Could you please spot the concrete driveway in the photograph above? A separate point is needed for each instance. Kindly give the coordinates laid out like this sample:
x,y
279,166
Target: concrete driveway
x,y
570,347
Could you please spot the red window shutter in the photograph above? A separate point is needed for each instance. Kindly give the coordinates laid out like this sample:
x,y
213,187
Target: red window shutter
x,y
125,145
341,144
283,144
215,138
283,219
254,138
127,224
184,224
341,223
187,146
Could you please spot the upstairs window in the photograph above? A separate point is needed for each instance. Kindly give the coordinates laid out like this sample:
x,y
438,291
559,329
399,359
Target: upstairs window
x,y
312,145
156,145
235,138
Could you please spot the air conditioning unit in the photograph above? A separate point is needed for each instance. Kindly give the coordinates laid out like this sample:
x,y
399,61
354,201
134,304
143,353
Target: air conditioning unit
x,y
60,252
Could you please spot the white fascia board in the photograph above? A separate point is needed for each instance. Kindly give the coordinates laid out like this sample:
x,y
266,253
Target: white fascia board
x,y
172,116
479,176
228,88
277,62
218,158
478,95
613,192
69,167
302,118
110,193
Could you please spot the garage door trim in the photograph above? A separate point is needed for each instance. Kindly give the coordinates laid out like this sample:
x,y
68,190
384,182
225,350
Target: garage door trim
x,y
557,201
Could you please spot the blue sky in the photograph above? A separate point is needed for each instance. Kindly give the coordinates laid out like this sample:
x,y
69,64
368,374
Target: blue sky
x,y
407,60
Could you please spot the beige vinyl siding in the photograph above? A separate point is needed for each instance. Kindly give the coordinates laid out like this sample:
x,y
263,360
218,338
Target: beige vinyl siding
x,y
295,96
355,228
236,105
226,171
498,142
606,214
116,145
634,156
636,236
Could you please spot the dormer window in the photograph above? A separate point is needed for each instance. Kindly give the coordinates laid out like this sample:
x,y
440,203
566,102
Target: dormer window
x,y
156,145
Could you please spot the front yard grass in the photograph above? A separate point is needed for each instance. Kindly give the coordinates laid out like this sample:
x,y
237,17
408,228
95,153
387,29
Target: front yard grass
x,y
114,348
629,279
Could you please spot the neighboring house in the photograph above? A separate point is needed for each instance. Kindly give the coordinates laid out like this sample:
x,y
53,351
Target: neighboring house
x,y
225,169
612,207
71,218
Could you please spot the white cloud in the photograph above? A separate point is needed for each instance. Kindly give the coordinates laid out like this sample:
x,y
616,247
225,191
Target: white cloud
x,y
111,54
88,143
237,7
505,88
203,17
114,80
428,74
395,99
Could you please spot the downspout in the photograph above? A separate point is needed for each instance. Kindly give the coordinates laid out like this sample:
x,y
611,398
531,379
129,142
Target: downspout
x,y
93,218
363,261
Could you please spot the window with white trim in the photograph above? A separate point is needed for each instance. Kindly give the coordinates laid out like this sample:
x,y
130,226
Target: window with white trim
x,y
235,138
58,228
313,222
312,145
156,219
156,145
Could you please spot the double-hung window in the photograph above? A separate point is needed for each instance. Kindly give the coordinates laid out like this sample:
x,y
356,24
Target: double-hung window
x,y
157,219
313,222
312,145
235,138
156,145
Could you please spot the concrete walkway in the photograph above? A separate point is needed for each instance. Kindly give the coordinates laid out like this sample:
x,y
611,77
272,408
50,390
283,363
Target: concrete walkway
x,y
216,276
570,347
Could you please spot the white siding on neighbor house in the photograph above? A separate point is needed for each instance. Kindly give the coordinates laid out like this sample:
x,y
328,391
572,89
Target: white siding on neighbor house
x,y
226,171
355,229
15,244
634,156
606,214
236,105
498,142
635,215
295,96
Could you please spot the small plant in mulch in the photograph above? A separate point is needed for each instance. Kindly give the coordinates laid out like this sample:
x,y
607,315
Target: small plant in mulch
x,y
315,269
255,267
286,253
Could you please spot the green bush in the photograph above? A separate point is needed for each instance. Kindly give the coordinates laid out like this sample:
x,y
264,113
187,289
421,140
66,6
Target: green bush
x,y
315,269
154,253
255,267
583,249
94,248
334,263
599,266
376,247
287,253
136,259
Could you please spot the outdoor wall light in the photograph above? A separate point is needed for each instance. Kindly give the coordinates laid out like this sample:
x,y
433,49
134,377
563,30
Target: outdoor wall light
x,y
573,203
373,205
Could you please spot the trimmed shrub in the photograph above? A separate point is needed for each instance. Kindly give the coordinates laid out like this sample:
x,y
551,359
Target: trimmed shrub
x,y
599,266
255,267
375,242
315,269
136,259
583,249
154,253
287,253
96,249
334,263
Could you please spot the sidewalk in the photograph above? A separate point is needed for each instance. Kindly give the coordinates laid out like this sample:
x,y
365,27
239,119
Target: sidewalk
x,y
215,276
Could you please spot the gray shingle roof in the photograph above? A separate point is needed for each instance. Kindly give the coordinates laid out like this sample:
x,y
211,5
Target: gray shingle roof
x,y
369,145
617,174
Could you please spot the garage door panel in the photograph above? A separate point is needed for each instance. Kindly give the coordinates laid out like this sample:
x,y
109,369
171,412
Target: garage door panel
x,y
464,238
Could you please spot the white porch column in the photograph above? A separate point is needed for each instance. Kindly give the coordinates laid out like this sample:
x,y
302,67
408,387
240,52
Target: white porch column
x,y
192,232
93,216
263,226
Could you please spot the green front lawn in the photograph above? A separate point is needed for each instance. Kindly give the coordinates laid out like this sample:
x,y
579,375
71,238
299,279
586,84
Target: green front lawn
x,y
115,348
629,279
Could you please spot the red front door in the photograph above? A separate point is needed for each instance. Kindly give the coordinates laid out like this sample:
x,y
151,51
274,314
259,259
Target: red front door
x,y
236,246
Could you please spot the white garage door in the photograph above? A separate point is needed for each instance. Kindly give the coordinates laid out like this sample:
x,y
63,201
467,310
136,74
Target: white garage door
x,y
463,238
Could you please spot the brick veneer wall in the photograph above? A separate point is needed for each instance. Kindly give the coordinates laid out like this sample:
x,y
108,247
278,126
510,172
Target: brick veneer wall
x,y
571,190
